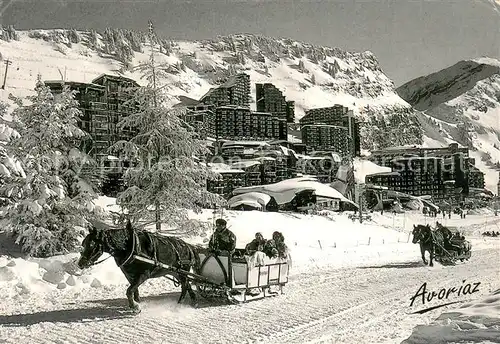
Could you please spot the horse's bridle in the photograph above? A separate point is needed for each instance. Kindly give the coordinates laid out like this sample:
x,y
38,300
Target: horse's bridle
x,y
106,247
424,239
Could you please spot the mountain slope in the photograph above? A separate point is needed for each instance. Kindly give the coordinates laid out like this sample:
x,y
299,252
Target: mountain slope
x,y
312,76
437,88
462,104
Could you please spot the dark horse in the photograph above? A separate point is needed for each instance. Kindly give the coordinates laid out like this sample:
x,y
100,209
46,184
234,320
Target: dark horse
x,y
123,244
429,240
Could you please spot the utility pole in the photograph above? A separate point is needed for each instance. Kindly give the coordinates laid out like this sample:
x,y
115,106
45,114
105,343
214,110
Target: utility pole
x,y
361,191
7,63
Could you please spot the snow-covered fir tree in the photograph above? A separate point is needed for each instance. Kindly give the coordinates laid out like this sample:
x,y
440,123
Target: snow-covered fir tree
x,y
50,202
169,177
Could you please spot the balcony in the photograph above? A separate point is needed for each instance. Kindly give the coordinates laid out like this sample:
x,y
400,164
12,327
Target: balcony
x,y
98,106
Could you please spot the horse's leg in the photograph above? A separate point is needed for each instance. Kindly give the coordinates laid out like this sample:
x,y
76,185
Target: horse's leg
x,y
422,251
184,288
190,290
431,252
130,280
133,289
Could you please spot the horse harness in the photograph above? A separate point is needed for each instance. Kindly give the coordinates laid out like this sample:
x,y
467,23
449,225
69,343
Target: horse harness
x,y
429,237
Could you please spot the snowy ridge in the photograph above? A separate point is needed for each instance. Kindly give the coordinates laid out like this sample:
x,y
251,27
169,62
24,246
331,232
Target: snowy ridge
x,y
339,76
462,104
312,76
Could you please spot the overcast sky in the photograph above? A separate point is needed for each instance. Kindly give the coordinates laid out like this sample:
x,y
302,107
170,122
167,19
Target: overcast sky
x,y
409,37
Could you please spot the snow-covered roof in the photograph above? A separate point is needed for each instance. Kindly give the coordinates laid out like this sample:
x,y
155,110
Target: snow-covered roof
x,y
308,157
223,168
245,143
264,158
253,199
394,174
245,163
284,191
362,168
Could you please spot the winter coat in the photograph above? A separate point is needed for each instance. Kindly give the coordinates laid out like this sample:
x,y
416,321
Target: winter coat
x,y
224,240
274,249
254,246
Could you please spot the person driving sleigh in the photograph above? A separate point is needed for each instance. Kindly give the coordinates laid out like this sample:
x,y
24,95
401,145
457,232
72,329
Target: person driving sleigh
x,y
222,239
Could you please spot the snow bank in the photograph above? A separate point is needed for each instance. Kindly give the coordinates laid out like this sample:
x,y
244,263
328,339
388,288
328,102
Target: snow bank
x,y
474,322
19,276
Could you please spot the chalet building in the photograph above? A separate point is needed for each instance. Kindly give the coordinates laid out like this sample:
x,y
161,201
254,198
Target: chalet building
x,y
325,137
235,91
104,103
337,116
228,179
270,99
275,163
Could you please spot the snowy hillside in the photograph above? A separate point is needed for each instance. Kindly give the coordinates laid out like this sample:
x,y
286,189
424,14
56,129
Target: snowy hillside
x,y
462,104
311,76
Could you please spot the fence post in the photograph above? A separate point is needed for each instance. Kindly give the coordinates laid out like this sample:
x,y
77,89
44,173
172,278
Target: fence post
x,y
319,242
369,239
409,237
383,241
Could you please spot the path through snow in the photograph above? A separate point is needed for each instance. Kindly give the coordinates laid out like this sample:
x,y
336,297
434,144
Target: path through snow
x,y
350,305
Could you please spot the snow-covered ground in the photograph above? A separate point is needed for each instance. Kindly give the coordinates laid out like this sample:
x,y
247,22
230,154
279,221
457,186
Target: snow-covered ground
x,y
349,283
475,322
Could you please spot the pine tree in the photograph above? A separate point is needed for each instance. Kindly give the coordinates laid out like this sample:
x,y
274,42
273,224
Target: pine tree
x,y
53,197
168,179
73,36
93,41
313,79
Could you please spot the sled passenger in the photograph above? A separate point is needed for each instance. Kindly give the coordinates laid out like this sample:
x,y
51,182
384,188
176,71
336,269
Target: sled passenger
x,y
256,244
276,247
222,239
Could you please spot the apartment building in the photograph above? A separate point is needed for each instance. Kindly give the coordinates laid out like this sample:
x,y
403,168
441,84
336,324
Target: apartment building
x,y
238,123
235,91
325,137
335,116
104,103
270,99
457,165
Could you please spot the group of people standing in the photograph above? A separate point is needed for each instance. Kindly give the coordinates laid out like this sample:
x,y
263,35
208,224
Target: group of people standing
x,y
225,240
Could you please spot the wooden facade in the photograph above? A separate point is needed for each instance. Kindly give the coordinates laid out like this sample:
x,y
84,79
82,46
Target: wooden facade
x,y
335,116
270,99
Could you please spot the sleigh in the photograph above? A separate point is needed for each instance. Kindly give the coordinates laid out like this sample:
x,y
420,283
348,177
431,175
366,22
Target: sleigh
x,y
458,249
242,280
235,277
